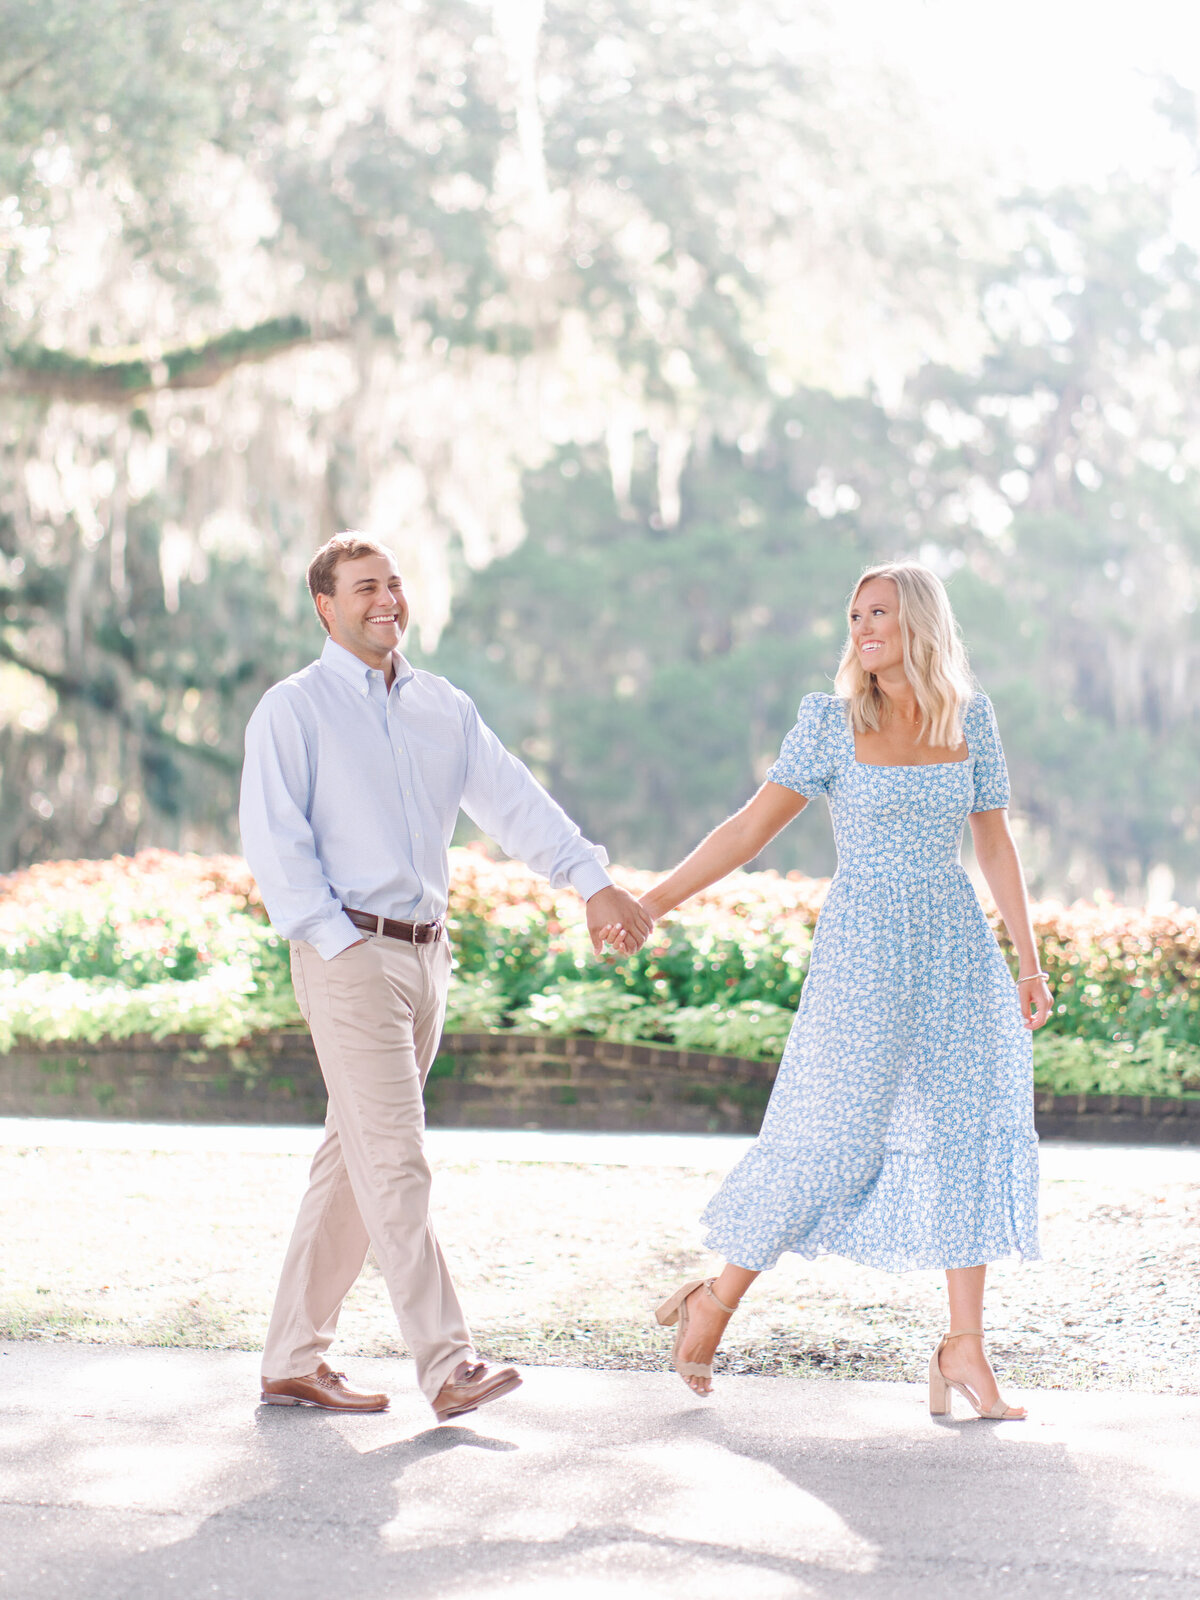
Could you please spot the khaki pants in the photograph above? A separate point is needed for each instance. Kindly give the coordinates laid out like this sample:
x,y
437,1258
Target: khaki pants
x,y
376,1013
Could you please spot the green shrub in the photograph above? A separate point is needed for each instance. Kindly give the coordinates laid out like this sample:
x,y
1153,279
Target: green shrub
x,y
602,1008
475,1004
162,943
1156,1065
754,1029
224,1007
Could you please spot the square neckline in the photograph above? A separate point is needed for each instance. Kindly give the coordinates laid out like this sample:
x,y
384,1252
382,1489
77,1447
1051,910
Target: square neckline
x,y
911,766
902,766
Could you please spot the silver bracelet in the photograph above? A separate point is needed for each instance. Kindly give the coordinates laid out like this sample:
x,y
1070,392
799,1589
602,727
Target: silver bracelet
x,y
1029,978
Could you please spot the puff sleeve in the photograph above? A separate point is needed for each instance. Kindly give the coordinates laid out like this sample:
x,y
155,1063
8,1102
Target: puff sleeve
x,y
806,761
987,757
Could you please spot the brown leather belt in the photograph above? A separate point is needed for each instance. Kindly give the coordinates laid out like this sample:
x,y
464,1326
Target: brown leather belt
x,y
410,932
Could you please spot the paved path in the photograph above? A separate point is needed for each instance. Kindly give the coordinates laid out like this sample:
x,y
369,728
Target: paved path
x,y
152,1474
148,1474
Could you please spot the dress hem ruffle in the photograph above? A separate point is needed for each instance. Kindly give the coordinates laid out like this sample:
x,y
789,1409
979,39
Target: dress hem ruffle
x,y
729,1252
925,1186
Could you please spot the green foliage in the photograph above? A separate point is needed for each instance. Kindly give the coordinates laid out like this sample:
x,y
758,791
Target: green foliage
x,y
166,945
627,214
649,676
1125,1003
687,964
749,1028
599,1007
475,1004
157,945
229,1004
134,89
605,1008
1120,976
1155,1065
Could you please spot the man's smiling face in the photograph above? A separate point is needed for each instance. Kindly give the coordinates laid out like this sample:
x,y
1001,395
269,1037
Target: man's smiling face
x,y
367,612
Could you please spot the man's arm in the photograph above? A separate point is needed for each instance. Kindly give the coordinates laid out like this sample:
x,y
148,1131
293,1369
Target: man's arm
x,y
510,805
277,838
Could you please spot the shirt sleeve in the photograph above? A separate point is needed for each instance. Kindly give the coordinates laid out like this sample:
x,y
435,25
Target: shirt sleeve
x,y
805,762
987,756
277,837
504,798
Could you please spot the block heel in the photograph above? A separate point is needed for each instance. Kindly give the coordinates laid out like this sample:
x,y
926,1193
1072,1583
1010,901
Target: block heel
x,y
941,1388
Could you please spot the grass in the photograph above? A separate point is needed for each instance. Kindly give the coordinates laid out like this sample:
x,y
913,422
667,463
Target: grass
x,y
562,1265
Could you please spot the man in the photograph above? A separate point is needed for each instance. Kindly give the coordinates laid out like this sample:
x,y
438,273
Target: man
x,y
355,771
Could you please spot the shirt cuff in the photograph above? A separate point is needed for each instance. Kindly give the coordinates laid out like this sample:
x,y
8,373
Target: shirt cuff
x,y
339,936
588,878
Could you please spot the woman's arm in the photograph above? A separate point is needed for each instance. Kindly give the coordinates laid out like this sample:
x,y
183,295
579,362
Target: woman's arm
x,y
730,846
996,853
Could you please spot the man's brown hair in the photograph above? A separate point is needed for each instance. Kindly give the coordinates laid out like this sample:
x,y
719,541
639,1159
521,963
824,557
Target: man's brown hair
x,y
322,569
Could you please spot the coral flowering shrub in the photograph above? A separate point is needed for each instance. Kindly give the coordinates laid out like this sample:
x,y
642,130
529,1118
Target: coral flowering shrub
x,y
156,943
1118,973
163,943
140,919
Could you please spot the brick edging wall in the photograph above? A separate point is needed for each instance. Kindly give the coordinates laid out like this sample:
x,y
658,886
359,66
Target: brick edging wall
x,y
502,1080
506,1080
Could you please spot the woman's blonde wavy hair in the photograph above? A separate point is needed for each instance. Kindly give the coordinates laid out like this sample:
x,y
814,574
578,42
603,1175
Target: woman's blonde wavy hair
x,y
935,659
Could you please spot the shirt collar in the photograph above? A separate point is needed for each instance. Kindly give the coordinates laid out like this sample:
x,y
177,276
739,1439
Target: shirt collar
x,y
347,665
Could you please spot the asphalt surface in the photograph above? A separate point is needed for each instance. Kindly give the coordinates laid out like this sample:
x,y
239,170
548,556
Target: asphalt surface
x,y
146,1474
151,1473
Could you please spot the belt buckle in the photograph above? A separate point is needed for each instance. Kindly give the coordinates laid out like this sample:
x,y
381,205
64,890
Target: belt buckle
x,y
426,932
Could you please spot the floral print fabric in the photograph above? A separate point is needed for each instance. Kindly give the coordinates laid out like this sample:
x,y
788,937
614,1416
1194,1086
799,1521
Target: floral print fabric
x,y
900,1128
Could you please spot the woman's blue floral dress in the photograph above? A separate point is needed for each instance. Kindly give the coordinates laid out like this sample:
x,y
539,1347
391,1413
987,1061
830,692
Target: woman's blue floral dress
x,y
900,1129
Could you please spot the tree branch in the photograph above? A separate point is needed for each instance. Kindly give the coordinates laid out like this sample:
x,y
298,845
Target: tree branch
x,y
99,695
57,375
26,71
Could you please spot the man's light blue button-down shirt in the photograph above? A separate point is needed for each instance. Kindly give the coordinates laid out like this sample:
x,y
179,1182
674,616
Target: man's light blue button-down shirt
x,y
351,790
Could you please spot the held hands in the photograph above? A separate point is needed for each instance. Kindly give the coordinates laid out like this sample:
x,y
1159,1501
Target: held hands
x,y
614,917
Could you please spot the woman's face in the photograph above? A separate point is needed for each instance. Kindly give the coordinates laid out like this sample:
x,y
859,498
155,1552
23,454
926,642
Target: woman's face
x,y
875,626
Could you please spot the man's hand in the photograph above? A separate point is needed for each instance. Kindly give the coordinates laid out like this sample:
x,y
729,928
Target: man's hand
x,y
614,914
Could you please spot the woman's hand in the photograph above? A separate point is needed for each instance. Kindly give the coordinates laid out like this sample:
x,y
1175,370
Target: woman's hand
x,y
1037,1003
635,926
619,939
1000,864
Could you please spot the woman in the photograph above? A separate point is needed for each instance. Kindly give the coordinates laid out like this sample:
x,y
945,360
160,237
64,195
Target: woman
x,y
900,1129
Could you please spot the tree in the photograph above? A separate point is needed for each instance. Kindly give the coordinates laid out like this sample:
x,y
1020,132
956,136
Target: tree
x,y
1054,483
650,674
271,271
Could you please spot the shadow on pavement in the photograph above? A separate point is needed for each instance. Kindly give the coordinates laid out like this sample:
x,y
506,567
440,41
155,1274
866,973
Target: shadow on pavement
x,y
605,1486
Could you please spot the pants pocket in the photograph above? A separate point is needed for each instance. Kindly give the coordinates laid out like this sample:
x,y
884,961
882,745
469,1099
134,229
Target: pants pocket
x,y
298,981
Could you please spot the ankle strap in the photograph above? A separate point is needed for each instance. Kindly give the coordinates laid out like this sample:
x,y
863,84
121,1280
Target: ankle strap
x,y
964,1333
708,1284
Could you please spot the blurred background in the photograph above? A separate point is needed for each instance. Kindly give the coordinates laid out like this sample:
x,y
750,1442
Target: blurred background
x,y
636,327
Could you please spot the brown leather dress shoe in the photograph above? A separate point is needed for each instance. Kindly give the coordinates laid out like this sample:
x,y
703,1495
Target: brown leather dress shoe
x,y
472,1385
324,1388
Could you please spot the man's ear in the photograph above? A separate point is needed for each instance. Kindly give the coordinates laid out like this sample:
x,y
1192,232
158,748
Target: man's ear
x,y
324,605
